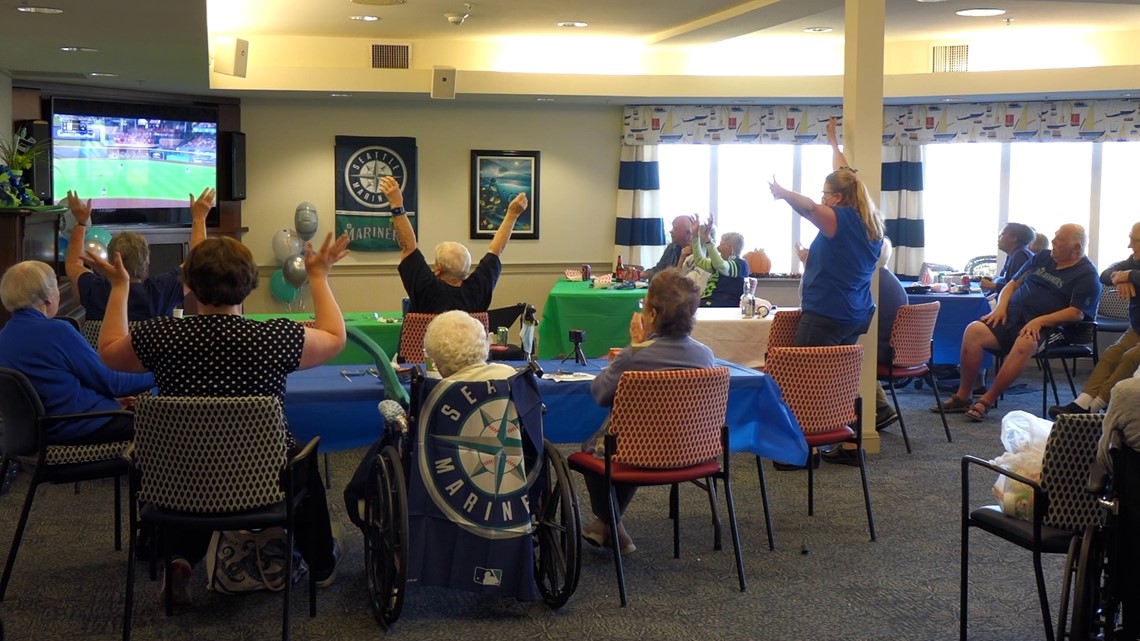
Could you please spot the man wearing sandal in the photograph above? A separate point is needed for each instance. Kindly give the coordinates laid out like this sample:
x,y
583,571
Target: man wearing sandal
x,y
1054,287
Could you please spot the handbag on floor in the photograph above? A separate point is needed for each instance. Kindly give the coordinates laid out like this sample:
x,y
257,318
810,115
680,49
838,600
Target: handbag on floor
x,y
249,561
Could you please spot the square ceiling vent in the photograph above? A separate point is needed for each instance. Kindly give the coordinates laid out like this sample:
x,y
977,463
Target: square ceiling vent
x,y
392,55
950,58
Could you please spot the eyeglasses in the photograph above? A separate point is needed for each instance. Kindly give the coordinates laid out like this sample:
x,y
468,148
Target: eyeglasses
x,y
830,193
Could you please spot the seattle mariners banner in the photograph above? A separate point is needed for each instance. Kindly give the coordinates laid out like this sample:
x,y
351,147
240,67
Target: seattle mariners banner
x,y
479,463
362,210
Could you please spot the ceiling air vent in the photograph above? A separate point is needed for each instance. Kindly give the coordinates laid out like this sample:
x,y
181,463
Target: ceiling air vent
x,y
392,55
951,58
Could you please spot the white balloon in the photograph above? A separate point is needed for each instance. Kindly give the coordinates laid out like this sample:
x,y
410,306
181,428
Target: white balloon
x,y
294,271
305,220
286,243
95,247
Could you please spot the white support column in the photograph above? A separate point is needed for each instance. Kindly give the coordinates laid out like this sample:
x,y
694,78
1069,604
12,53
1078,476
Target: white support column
x,y
863,147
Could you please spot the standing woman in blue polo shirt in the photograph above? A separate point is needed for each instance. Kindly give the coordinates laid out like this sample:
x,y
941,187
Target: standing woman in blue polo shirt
x,y
837,304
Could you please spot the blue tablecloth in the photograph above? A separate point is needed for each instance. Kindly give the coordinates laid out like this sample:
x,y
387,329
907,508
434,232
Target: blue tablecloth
x,y
957,311
320,401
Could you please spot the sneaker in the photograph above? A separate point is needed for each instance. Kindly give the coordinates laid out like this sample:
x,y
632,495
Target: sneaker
x,y
842,456
883,420
328,577
179,575
1071,408
791,467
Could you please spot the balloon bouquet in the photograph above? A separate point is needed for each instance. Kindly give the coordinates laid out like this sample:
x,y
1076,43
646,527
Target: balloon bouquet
x,y
289,249
95,241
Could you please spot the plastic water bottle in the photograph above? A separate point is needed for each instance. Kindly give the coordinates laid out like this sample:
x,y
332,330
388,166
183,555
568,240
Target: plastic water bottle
x,y
747,302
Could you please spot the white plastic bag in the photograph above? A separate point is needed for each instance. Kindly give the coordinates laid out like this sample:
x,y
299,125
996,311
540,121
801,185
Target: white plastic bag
x,y
1023,436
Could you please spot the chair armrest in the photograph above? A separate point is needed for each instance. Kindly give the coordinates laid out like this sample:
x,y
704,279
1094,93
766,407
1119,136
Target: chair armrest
x,y
309,450
973,460
290,476
1040,497
56,418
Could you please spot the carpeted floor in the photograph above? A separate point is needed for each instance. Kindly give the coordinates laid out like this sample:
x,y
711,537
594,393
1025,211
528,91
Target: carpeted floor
x,y
825,580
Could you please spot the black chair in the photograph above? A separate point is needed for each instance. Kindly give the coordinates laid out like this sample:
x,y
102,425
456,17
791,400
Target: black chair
x,y
1068,341
214,464
506,317
25,435
1062,507
1112,312
981,266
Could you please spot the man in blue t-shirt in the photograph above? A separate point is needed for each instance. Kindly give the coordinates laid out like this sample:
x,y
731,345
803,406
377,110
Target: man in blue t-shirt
x,y
1055,287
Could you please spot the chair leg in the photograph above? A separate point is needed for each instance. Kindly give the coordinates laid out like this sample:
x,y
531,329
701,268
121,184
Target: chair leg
x,y
675,508
1069,375
867,492
118,512
714,505
963,576
941,411
898,410
1041,595
328,472
616,547
19,536
289,534
811,482
735,531
764,498
129,598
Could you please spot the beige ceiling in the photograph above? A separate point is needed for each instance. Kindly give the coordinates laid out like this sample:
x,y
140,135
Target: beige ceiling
x,y
163,45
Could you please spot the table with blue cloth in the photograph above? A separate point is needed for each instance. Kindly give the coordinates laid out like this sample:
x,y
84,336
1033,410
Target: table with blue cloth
x,y
338,404
957,311
382,327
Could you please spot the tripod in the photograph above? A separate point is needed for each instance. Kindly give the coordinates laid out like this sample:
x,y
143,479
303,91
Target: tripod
x,y
579,356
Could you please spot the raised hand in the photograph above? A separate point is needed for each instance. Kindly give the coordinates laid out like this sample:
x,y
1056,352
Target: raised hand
x,y
114,272
391,189
80,211
201,206
518,204
319,263
832,135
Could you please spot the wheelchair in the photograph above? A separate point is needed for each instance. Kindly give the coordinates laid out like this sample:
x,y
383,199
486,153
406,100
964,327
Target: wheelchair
x,y
1103,562
485,485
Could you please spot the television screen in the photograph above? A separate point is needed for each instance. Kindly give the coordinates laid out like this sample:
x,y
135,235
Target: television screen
x,y
137,163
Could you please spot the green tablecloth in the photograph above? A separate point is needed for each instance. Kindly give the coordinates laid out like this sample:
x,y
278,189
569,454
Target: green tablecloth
x,y
386,335
603,313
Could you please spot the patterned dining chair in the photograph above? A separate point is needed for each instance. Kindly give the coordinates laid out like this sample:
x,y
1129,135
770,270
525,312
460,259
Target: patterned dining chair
x,y
911,346
667,428
1112,312
413,331
783,330
828,408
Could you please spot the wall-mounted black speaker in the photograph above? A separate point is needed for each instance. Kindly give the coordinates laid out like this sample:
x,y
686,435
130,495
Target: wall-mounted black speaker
x,y
231,181
39,177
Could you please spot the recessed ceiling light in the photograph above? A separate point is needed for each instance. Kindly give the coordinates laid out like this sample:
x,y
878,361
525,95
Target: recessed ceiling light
x,y
341,95
379,3
545,99
932,0
364,18
70,49
818,29
980,13
573,24
27,9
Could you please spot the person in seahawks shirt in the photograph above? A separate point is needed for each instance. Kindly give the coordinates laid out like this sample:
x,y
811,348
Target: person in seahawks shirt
x,y
723,263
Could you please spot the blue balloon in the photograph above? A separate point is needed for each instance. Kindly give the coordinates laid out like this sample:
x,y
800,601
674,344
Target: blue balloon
x,y
99,234
280,288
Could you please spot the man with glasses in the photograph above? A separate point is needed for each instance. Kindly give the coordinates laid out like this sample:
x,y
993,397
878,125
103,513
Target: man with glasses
x,y
1120,361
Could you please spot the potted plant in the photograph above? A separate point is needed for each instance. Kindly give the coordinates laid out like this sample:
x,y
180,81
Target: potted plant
x,y
19,153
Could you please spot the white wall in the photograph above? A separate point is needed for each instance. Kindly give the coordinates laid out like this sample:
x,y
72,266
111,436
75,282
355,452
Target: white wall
x,y
290,160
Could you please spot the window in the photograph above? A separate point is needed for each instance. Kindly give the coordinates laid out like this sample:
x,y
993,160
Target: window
x,y
745,205
960,202
1049,184
1117,205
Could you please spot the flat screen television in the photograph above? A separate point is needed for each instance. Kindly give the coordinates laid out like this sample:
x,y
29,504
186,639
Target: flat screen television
x,y
138,163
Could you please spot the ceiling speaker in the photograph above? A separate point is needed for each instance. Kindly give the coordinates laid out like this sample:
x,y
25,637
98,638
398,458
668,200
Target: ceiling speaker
x,y
231,57
443,83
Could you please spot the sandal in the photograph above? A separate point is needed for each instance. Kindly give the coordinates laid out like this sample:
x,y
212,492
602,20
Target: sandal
x,y
976,415
953,405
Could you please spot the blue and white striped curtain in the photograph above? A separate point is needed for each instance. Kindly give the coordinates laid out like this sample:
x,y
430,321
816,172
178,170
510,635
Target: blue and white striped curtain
x,y
901,205
640,234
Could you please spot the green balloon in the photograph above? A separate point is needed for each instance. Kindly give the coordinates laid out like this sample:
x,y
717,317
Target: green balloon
x,y
99,234
280,288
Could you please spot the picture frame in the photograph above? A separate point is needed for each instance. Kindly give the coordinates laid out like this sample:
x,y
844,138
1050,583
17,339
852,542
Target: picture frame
x,y
497,176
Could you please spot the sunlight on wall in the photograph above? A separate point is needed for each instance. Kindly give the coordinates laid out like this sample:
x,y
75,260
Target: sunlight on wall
x,y
768,56
615,56
1024,50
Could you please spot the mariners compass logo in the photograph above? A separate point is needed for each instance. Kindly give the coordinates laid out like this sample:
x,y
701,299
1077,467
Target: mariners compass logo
x,y
472,458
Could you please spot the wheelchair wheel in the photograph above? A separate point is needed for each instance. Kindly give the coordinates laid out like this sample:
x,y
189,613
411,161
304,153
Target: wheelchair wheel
x,y
386,544
1087,603
557,545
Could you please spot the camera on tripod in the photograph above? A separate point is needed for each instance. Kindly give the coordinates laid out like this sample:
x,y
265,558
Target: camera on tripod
x,y
577,337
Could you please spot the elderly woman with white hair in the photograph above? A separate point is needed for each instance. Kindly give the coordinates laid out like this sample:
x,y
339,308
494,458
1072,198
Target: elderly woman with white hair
x,y
446,286
457,344
61,365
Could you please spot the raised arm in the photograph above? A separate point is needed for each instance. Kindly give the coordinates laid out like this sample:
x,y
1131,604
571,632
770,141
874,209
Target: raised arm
x,y
326,339
405,235
73,262
503,234
199,208
822,216
115,347
838,160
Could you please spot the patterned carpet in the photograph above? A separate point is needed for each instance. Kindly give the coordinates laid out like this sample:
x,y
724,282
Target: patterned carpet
x,y
825,580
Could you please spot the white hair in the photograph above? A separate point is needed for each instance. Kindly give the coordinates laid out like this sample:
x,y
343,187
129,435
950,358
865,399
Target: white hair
x,y
27,284
453,259
735,240
455,340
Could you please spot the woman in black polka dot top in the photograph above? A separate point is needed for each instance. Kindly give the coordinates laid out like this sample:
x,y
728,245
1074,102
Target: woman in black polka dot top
x,y
218,352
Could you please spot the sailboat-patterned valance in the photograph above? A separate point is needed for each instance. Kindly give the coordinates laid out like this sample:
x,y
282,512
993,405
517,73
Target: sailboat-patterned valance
x,y
1041,121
